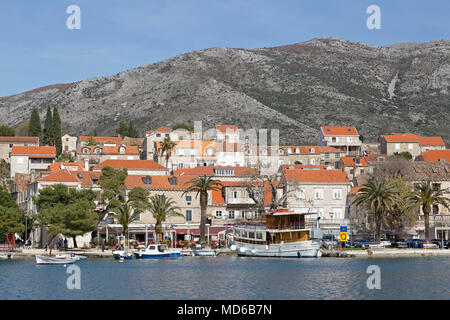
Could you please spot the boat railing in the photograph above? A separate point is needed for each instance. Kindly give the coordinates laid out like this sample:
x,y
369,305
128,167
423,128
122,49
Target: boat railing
x,y
263,226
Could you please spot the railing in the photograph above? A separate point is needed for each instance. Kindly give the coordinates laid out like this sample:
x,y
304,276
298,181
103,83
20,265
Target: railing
x,y
435,218
240,201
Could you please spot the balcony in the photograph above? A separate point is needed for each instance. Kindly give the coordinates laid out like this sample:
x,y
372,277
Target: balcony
x,y
435,220
240,201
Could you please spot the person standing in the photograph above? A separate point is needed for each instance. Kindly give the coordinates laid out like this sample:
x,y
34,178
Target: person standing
x,y
66,245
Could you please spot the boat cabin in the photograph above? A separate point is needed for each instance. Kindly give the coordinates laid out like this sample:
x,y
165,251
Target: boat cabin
x,y
281,226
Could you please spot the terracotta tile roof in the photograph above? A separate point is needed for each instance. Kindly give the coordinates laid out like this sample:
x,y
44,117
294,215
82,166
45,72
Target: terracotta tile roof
x,y
350,161
375,157
225,128
326,149
308,149
85,178
34,150
354,190
320,176
210,171
434,155
158,182
102,139
339,131
131,150
20,139
160,129
65,165
193,144
411,137
302,167
131,164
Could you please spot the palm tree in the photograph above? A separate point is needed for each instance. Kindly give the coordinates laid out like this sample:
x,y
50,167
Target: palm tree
x,y
379,196
166,147
125,214
425,196
201,185
162,207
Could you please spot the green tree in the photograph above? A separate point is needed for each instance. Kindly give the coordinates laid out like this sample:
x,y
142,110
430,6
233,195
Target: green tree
x,y
404,154
183,126
22,129
57,136
127,130
378,196
6,131
67,211
425,196
48,134
35,129
162,207
166,148
92,142
11,220
112,183
201,186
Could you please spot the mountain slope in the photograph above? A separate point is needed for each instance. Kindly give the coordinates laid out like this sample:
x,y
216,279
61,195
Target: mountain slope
x,y
295,88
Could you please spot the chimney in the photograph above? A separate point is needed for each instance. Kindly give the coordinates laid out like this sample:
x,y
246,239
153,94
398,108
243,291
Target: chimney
x,y
86,164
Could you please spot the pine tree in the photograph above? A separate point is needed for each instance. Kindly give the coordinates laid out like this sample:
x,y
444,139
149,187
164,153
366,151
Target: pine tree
x,y
48,135
34,129
57,131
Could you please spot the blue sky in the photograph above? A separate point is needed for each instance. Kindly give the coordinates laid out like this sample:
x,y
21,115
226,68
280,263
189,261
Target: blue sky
x,y
37,49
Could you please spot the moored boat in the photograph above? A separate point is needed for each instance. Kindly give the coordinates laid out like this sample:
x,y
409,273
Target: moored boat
x,y
6,256
204,252
282,234
157,251
41,260
122,254
71,255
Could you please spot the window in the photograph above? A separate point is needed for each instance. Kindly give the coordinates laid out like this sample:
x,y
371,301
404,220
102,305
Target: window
x,y
86,150
158,135
289,151
231,214
349,139
337,194
98,150
327,155
337,213
122,149
300,194
218,214
35,160
312,150
188,215
397,146
236,194
318,194
10,145
312,161
336,155
66,148
188,198
47,160
147,180
410,146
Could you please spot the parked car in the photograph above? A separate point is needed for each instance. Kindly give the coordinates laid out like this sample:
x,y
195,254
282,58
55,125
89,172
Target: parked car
x,y
438,242
429,245
399,243
329,241
363,243
385,242
415,243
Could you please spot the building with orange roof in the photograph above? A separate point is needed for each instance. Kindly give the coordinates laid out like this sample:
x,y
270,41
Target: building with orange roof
x,y
310,155
102,141
345,138
99,153
227,133
134,167
72,166
323,192
353,166
31,159
6,144
409,142
222,173
434,156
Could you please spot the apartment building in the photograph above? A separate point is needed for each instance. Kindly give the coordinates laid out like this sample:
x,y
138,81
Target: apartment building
x,y
6,144
134,167
340,137
99,153
409,142
31,159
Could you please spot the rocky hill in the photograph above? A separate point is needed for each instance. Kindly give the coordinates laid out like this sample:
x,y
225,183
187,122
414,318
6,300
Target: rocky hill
x,y
295,88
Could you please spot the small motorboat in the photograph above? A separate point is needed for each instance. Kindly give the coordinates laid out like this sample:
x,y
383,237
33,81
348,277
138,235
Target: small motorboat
x,y
72,255
157,251
186,252
122,254
40,260
6,256
205,252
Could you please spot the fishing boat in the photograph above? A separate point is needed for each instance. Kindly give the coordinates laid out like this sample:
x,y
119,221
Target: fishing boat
x,y
41,260
204,252
122,254
281,234
157,251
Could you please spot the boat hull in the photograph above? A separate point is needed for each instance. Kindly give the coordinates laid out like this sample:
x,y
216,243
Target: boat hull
x,y
303,249
204,253
122,255
143,255
42,260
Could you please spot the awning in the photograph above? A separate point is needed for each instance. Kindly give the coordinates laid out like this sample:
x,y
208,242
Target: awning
x,y
213,231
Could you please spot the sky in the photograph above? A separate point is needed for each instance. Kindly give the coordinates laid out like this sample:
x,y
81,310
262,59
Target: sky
x,y
37,48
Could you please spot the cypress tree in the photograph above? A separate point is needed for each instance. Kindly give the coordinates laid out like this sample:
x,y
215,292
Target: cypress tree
x,y
47,138
34,129
57,131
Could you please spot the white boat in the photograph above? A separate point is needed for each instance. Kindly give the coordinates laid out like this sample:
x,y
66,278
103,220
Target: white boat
x,y
186,252
40,260
122,254
282,234
157,251
204,252
71,255
6,256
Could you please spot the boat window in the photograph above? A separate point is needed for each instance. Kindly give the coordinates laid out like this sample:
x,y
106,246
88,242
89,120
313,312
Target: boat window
x,y
152,247
244,234
251,235
259,235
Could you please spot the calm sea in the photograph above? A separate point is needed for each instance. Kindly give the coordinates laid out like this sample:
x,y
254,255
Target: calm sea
x,y
229,277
